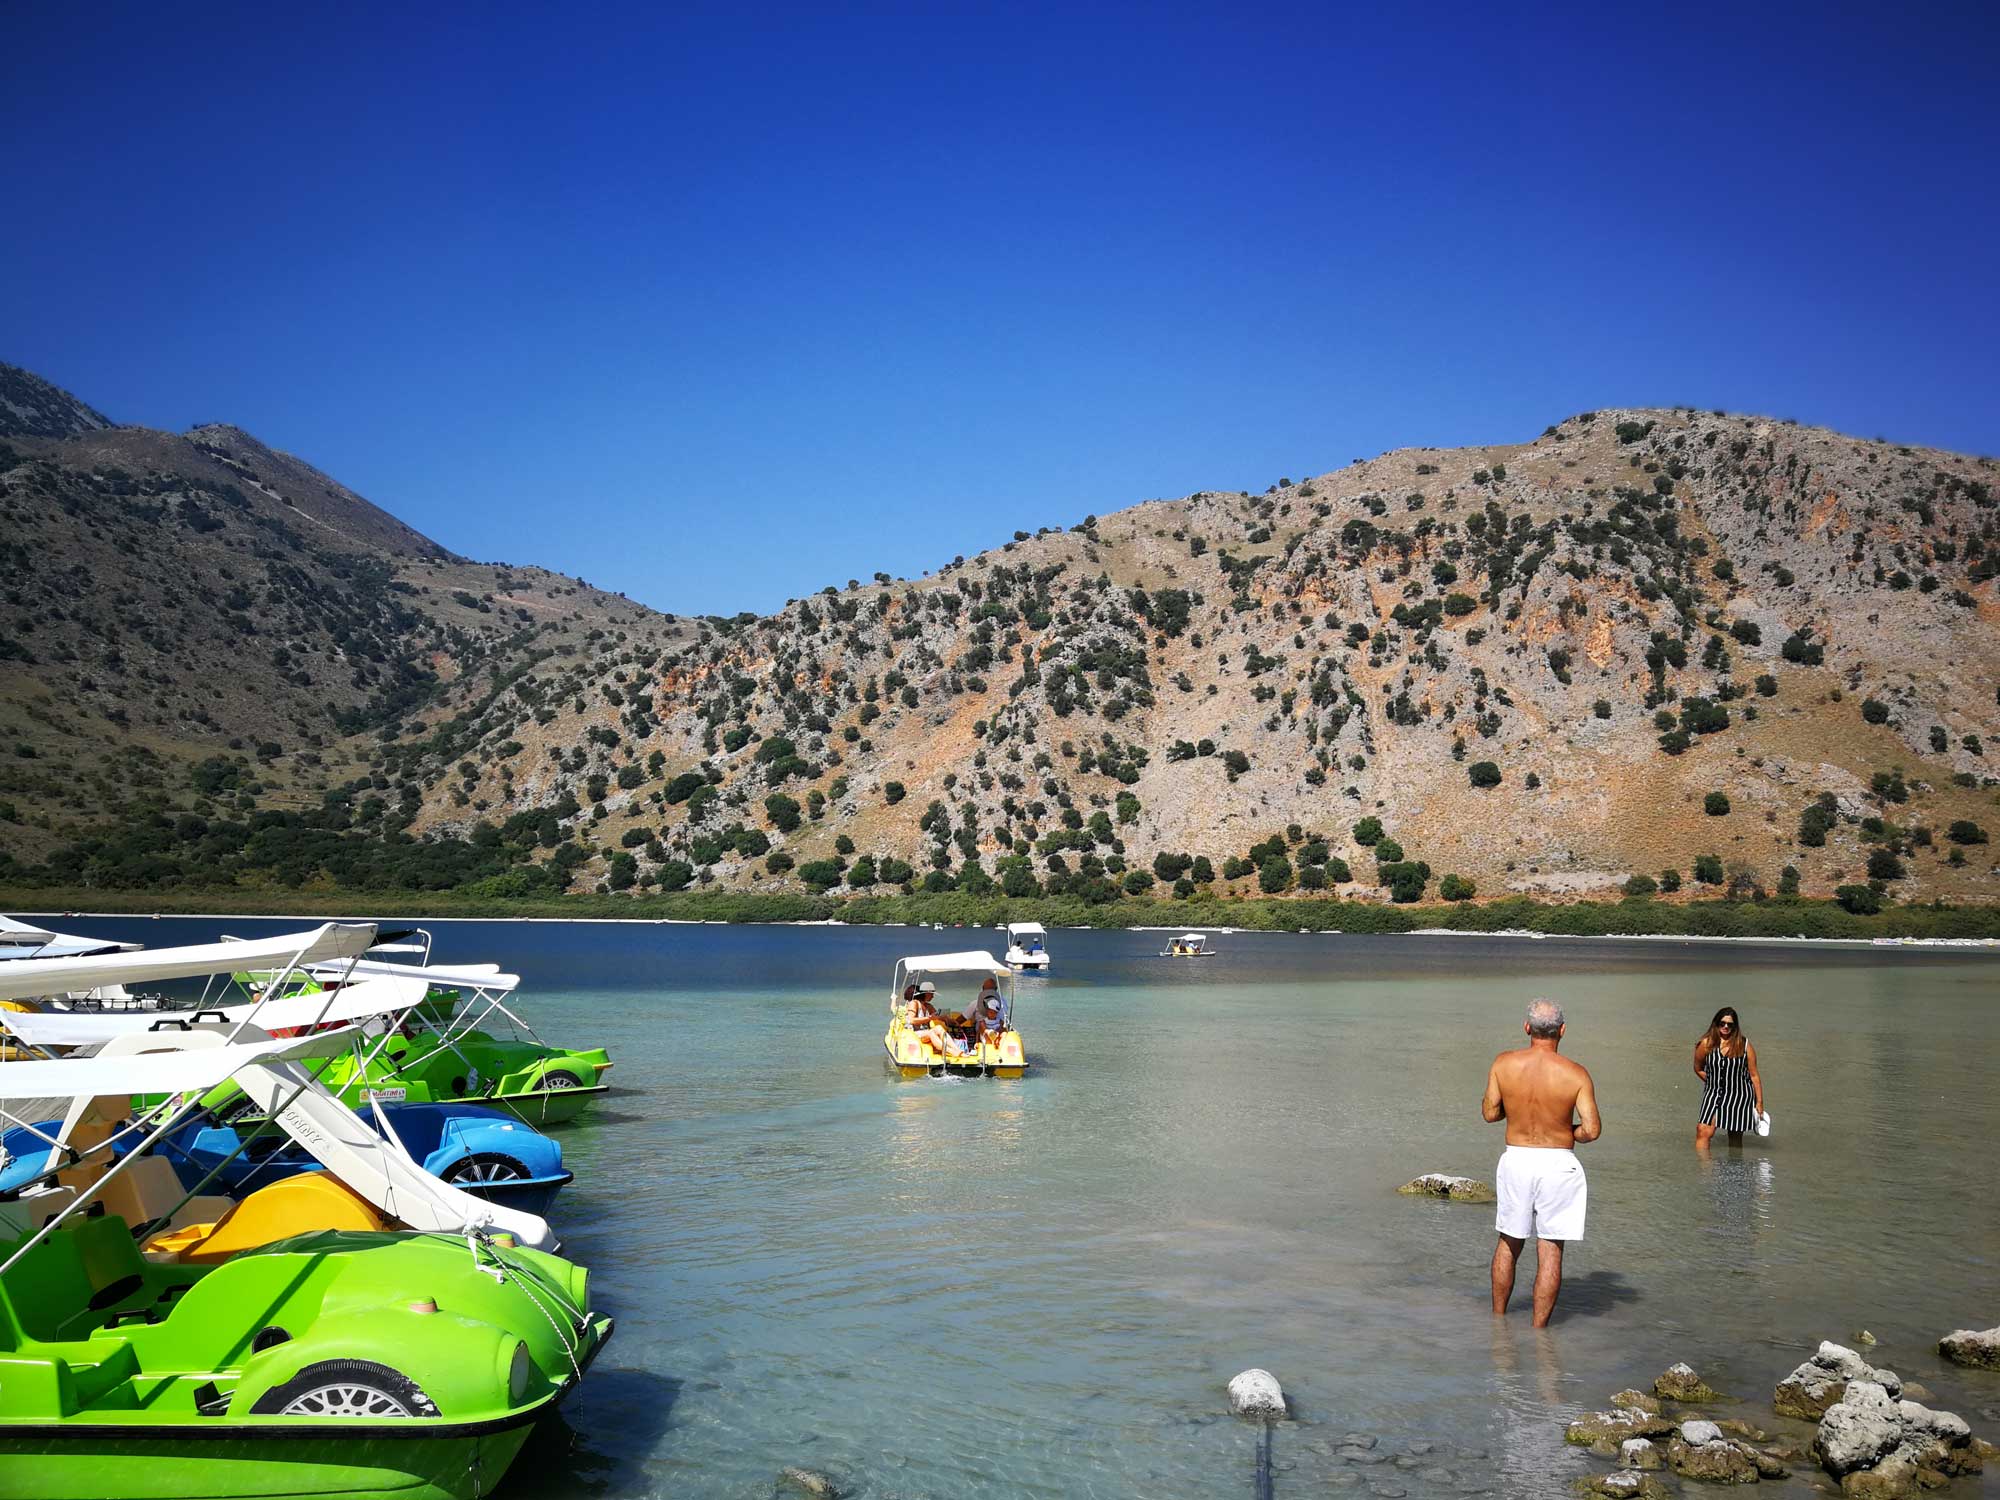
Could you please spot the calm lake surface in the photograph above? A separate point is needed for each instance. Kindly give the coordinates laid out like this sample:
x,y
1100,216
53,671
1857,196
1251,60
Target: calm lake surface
x,y
1039,1288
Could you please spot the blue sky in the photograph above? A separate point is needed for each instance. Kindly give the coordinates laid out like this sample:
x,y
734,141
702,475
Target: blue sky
x,y
716,305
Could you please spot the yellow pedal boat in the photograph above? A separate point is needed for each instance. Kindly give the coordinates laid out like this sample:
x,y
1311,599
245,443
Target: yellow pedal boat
x,y
928,1037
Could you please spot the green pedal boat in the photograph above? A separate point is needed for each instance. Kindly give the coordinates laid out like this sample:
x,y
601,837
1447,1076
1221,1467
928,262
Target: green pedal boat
x,y
435,1047
327,1365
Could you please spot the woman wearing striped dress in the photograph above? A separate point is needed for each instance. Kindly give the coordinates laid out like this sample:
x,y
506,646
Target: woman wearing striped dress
x,y
1732,1095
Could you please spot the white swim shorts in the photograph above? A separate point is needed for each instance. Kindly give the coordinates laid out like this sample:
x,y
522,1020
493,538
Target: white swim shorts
x,y
1542,1193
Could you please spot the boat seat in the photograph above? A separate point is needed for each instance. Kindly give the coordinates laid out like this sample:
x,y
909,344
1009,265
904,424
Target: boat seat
x,y
67,1285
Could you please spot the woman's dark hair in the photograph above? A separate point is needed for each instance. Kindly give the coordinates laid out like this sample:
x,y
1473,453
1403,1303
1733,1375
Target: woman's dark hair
x,y
1715,1025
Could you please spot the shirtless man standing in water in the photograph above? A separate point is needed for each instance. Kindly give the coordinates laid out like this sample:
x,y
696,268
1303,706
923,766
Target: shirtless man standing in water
x,y
1549,1106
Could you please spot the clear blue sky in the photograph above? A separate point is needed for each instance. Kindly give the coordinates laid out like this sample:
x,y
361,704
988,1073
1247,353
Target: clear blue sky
x,y
716,305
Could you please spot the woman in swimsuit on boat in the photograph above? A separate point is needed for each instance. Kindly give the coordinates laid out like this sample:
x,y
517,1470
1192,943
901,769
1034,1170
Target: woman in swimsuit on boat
x,y
1732,1095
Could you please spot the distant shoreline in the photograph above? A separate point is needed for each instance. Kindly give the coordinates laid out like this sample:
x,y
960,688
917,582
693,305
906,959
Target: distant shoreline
x,y
1968,927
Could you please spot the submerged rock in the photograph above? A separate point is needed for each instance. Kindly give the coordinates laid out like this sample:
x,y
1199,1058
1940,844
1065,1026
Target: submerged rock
x,y
1979,1348
1626,1484
1256,1393
1444,1185
809,1482
1603,1431
1639,1453
1821,1381
1680,1383
1717,1462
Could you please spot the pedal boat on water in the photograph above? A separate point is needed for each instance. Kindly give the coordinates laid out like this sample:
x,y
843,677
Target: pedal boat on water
x,y
1027,946
926,1039
329,1363
1188,945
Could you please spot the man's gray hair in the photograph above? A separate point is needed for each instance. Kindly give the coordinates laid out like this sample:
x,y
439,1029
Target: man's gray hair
x,y
1545,1018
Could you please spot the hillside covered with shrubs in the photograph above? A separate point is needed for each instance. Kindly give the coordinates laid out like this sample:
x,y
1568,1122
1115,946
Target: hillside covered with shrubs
x,y
1647,655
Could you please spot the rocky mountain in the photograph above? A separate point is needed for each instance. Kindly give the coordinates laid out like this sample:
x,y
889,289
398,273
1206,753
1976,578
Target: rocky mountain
x,y
1688,648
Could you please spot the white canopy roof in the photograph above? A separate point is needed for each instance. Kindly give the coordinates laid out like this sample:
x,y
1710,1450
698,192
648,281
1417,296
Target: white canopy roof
x,y
957,963
26,978
21,940
155,1072
464,976
1194,937
1034,928
357,1002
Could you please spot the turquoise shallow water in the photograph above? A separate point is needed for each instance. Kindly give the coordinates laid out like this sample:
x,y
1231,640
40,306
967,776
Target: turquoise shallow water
x,y
1039,1288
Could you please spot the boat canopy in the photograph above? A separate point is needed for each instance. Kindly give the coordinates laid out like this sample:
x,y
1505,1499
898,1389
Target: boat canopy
x,y
956,963
23,940
356,1002
169,1072
464,976
28,978
1026,929
1194,937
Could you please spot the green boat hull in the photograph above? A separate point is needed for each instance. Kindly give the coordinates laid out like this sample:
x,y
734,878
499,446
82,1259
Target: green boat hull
x,y
178,1464
331,1364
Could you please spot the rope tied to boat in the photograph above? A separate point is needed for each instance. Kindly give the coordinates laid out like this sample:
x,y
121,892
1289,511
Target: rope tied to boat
x,y
532,1286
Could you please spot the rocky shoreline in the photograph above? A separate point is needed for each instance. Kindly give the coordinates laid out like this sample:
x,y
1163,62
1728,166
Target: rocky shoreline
x,y
1872,1435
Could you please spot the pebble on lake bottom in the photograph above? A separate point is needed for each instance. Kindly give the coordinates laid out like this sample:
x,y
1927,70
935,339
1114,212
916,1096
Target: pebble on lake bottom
x,y
808,1482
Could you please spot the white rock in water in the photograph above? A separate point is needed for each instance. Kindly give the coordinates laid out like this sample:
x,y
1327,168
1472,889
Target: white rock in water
x,y
1977,1347
1859,1430
1698,1433
1256,1393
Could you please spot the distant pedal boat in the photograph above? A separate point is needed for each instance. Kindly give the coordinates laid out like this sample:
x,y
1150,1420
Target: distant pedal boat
x,y
1027,946
952,1043
1188,945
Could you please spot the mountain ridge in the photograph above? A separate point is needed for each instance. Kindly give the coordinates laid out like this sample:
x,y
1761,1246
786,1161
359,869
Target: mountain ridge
x,y
1537,666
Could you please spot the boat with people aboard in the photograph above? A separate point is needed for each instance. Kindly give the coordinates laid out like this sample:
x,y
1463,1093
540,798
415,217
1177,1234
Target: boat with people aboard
x,y
926,1039
158,1343
1188,945
1027,945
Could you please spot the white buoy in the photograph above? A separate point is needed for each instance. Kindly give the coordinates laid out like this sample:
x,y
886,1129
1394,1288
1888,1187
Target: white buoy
x,y
1256,1393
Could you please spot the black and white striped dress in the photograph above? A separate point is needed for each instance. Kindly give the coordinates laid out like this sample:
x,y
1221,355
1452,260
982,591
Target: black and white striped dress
x,y
1727,1100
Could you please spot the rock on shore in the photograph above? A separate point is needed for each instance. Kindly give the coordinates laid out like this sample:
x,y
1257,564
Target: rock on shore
x,y
1444,1185
1821,1381
1976,1347
1880,1448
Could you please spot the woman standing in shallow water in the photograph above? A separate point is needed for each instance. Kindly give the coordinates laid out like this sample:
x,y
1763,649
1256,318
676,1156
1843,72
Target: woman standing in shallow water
x,y
1732,1095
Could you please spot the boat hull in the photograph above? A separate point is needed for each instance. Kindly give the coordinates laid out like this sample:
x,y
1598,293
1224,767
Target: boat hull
x,y
546,1106
331,1464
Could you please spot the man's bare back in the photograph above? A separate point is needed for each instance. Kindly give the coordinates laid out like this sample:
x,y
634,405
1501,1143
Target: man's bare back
x,y
1550,1107
1546,1099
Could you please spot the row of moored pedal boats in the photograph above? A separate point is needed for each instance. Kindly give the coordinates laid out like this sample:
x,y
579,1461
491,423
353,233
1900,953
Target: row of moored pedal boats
x,y
287,1239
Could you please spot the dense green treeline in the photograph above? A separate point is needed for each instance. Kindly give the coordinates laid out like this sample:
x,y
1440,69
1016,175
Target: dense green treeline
x,y
1719,918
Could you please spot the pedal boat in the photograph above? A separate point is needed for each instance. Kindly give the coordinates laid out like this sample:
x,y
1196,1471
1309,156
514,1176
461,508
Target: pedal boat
x,y
1188,945
1027,946
932,1049
408,1056
354,1362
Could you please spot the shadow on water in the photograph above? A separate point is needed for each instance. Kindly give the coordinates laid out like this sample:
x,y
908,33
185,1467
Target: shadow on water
x,y
1593,1294
625,1413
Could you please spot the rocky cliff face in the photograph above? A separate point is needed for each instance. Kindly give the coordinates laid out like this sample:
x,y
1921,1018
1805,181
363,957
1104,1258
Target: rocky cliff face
x,y
1662,644
1643,640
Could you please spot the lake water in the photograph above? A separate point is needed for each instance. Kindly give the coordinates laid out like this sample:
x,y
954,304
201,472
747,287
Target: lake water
x,y
1040,1287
